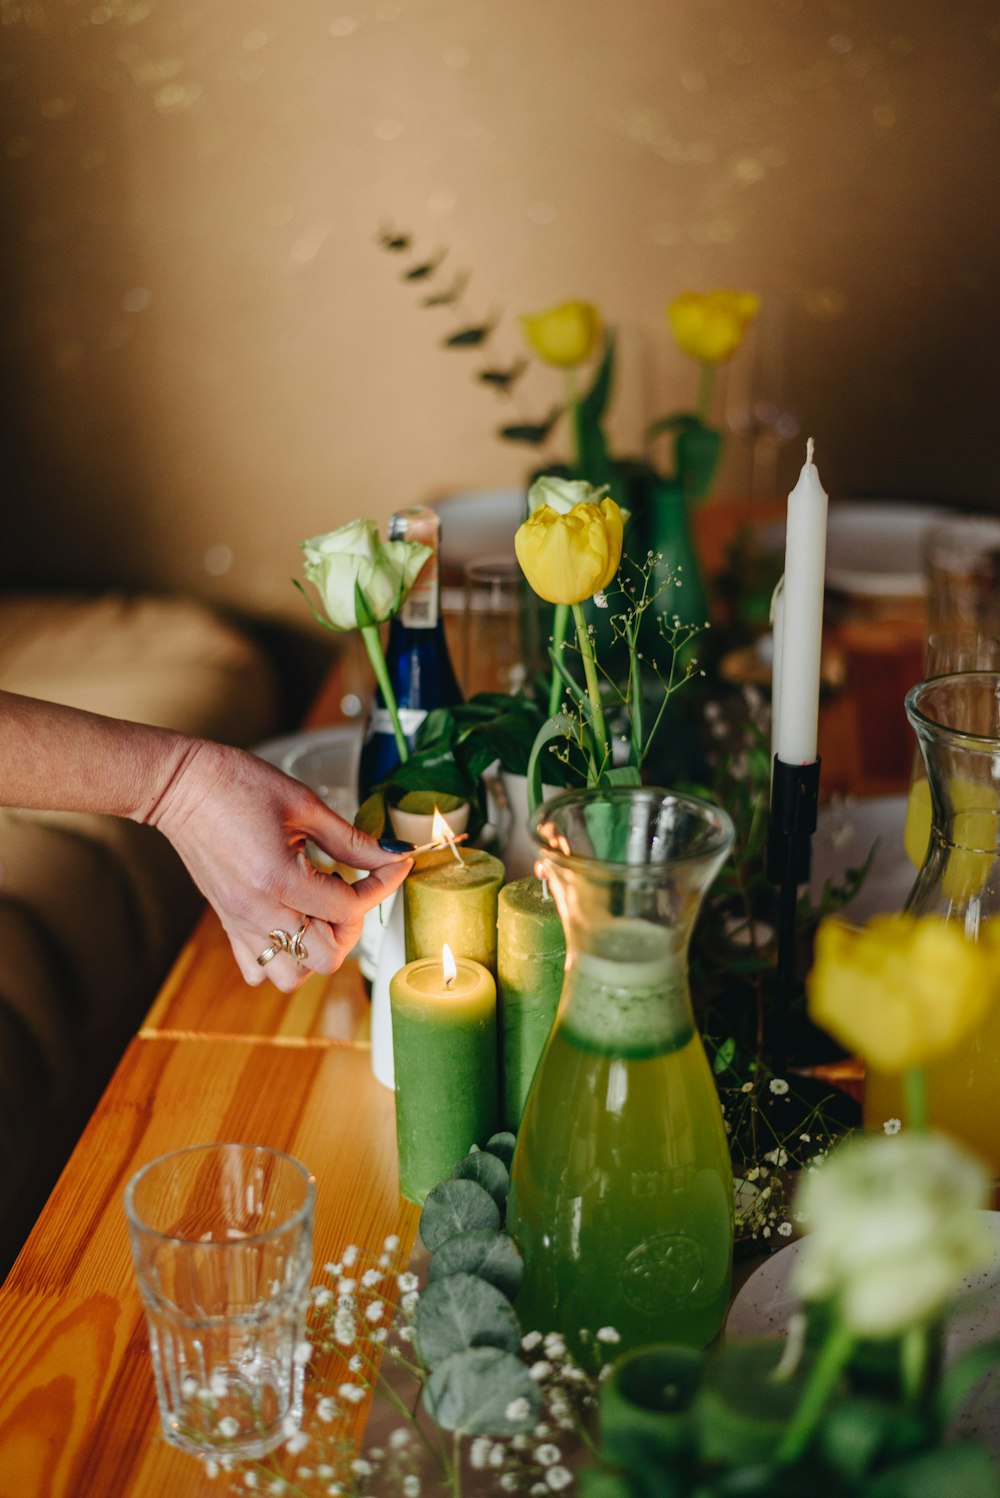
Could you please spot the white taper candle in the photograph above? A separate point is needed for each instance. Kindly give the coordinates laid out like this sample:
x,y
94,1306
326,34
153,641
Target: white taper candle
x,y
802,624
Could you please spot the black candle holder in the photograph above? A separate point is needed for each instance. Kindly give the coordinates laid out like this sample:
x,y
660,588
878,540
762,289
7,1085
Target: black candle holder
x,y
794,805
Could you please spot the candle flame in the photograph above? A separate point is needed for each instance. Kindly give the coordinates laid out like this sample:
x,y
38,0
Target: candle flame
x,y
449,965
442,834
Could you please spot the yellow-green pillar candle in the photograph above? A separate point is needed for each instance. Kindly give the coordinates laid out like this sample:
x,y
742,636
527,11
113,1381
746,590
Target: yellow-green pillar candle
x,y
444,1041
531,953
446,900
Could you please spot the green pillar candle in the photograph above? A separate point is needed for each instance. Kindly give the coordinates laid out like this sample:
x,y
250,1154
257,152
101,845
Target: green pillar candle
x,y
455,902
444,1041
531,954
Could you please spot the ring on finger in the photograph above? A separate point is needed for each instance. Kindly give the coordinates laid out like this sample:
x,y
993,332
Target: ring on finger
x,y
296,946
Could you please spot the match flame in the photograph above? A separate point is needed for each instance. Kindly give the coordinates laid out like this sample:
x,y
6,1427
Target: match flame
x,y
449,965
440,831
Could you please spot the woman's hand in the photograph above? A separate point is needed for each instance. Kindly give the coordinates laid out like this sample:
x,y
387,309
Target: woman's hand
x,y
241,827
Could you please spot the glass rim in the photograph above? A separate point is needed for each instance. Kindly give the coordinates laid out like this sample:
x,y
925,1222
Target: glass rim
x,y
301,1213
985,743
718,844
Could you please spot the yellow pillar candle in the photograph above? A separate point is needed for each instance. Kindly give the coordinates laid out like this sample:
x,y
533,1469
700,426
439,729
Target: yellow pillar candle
x,y
531,954
444,1040
455,901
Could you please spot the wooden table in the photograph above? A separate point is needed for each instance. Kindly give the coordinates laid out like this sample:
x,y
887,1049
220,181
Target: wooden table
x,y
216,1059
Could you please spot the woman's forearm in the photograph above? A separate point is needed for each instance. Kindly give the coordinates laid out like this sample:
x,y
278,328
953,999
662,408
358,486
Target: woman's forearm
x,y
55,758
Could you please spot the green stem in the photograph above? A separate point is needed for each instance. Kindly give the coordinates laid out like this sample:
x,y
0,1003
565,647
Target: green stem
x,y
915,1362
560,623
373,645
573,404
593,686
834,1353
706,389
456,1466
915,1097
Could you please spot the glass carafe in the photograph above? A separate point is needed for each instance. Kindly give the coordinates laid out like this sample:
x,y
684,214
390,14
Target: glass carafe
x,y
621,1193
956,719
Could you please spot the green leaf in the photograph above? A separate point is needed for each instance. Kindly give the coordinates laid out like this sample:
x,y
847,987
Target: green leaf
x,y
490,1171
502,1145
370,815
621,775
965,1468
741,1409
595,1482
490,1255
425,803
698,450
455,1207
552,728
462,1311
854,1433
959,1380
483,1391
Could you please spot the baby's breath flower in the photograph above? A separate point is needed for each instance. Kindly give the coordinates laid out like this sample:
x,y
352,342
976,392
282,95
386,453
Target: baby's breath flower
x,y
409,1302
296,1443
518,1409
479,1452
217,1384
547,1455
391,1243
498,1455
352,1393
361,1468
785,1229
351,1254
747,1087
892,1126
326,1408
189,1387
347,1287
411,1486
371,1277
778,1086
249,1479
374,1311
540,1370
400,1437
531,1340
277,1486
321,1295
356,1363
212,1469
555,1347
608,1334
228,1427
407,1282
333,1270
301,1353
557,1478
509,1482
380,1334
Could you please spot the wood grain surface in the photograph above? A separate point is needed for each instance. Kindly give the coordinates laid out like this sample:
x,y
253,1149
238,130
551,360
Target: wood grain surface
x,y
78,1413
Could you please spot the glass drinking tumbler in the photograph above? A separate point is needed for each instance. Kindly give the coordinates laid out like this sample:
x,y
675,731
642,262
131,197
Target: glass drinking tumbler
x,y
222,1243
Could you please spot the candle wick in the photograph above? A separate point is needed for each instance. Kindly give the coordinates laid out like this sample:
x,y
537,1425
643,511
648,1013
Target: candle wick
x,y
454,852
809,450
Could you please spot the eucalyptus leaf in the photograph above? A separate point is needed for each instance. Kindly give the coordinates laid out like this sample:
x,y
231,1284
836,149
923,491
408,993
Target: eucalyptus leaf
x,y
462,1311
596,1482
502,1145
483,1391
489,1170
490,1255
455,1207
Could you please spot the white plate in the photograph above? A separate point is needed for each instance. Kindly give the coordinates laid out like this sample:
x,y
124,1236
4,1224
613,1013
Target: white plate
x,y
763,1306
479,523
873,547
347,739
846,831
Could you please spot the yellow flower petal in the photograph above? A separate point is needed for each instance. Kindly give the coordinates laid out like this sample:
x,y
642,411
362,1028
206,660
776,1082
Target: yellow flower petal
x,y
565,335
567,558
903,991
710,326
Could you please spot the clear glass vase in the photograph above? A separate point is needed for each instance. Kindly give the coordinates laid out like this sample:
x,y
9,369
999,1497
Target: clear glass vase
x,y
956,719
621,1196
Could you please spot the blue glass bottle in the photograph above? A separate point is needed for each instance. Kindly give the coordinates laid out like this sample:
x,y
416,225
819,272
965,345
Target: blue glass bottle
x,y
417,658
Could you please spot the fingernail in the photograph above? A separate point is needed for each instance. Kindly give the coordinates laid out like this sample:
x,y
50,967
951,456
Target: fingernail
x,y
395,845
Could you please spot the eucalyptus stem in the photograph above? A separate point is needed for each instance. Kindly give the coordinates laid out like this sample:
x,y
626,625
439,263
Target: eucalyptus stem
x,y
373,645
593,685
834,1353
560,623
915,1097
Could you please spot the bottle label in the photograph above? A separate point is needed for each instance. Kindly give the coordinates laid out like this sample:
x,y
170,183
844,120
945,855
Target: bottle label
x,y
420,611
410,719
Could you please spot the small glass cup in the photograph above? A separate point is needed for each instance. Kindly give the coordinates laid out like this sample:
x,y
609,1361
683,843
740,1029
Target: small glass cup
x,y
222,1243
492,652
328,766
962,569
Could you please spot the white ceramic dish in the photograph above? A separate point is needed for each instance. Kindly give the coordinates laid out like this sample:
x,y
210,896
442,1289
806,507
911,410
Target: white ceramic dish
x,y
845,834
873,547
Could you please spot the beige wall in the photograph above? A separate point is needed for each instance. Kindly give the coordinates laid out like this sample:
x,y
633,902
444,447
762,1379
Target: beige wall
x,y
207,355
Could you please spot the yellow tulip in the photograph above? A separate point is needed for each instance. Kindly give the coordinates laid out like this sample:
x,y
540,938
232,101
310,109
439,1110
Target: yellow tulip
x,y
710,326
904,990
565,335
567,558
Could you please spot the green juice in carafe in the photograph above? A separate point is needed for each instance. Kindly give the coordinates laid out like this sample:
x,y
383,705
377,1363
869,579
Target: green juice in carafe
x,y
621,1194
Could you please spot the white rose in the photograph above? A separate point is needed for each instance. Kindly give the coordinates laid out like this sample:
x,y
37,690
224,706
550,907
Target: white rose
x,y
562,494
361,580
894,1227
